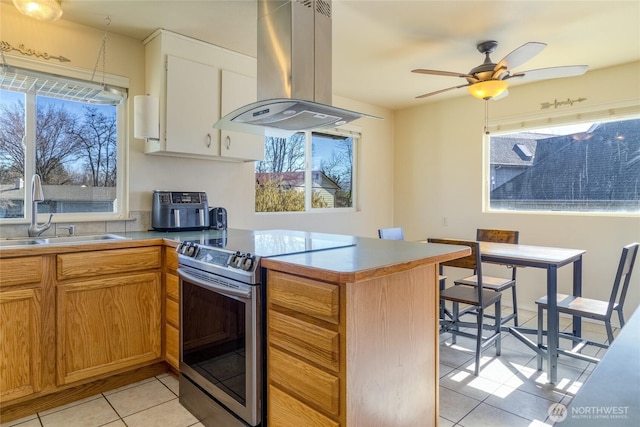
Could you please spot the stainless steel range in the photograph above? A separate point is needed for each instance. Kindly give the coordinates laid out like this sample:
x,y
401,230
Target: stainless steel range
x,y
222,320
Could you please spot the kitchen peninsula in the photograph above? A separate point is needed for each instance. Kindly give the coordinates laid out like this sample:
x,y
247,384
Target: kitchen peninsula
x,y
352,332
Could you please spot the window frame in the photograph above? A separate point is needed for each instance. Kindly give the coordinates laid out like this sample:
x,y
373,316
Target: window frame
x,y
348,131
545,120
121,202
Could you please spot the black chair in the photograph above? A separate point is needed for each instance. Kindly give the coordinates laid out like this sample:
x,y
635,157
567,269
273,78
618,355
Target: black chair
x,y
497,284
592,308
477,300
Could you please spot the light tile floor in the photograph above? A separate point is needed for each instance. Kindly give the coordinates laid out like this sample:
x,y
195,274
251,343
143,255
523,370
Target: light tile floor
x,y
509,391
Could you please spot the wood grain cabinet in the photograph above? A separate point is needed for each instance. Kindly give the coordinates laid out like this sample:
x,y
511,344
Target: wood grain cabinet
x,y
303,351
108,311
172,308
21,327
352,349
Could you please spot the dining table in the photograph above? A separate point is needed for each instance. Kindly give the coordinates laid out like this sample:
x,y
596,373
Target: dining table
x,y
549,259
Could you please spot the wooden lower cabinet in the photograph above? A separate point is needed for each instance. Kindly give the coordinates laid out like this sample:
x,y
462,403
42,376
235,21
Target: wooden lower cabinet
x,y
359,353
20,349
73,323
303,351
22,335
107,324
172,309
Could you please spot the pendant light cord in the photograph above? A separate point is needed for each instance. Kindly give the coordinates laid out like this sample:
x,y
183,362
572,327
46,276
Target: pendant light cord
x,y
102,52
486,116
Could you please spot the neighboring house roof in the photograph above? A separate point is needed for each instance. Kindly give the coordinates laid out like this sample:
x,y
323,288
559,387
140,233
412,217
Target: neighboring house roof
x,y
296,179
514,151
600,164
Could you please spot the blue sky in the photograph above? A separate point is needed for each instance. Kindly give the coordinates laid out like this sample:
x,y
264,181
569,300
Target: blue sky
x,y
9,97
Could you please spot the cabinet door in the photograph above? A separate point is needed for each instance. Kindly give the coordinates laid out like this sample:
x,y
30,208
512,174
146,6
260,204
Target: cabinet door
x,y
238,91
20,333
172,308
193,107
107,324
172,325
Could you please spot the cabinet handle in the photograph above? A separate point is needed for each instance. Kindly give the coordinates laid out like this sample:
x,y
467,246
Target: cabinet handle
x,y
208,140
228,141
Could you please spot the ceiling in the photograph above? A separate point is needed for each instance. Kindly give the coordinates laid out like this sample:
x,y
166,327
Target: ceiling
x,y
376,43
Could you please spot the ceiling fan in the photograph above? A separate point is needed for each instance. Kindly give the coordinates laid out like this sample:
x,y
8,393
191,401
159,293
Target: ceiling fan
x,y
490,80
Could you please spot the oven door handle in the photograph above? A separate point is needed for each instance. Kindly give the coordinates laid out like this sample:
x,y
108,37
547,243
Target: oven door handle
x,y
211,285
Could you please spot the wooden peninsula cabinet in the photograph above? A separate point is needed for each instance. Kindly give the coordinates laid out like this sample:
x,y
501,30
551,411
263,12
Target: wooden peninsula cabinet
x,y
356,347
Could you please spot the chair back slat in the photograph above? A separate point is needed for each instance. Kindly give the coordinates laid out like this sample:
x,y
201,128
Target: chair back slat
x,y
395,233
623,276
469,261
472,261
497,236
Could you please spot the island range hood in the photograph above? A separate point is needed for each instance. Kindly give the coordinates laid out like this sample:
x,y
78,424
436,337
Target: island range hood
x,y
293,71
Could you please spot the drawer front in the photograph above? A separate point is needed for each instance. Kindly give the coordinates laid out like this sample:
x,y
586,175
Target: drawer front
x,y
172,347
311,297
285,411
99,263
312,342
173,287
171,258
172,312
20,271
314,386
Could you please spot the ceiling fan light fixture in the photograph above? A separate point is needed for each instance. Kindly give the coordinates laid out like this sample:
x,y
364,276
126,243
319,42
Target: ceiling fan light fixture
x,y
488,89
42,10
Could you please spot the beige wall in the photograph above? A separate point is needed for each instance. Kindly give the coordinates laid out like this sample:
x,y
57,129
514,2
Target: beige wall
x,y
227,184
438,174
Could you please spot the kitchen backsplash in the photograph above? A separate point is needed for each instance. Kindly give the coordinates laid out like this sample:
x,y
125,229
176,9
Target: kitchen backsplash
x,y
138,221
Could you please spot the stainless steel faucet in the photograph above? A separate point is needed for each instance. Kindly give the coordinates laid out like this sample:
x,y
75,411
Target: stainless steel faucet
x,y
37,196
71,228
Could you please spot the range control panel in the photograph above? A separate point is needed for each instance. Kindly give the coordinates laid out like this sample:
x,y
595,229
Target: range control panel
x,y
217,260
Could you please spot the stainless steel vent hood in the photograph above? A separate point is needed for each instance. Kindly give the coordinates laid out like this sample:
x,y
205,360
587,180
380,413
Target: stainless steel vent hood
x,y
294,71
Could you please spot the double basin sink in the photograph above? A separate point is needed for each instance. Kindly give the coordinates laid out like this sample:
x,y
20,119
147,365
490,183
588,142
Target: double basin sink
x,y
31,241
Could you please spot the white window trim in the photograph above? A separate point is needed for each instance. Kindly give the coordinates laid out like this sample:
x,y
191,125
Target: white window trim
x,y
347,131
498,126
122,189
352,131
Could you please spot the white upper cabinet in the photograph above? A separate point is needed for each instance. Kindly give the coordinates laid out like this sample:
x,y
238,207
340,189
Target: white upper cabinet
x,y
238,91
193,106
196,84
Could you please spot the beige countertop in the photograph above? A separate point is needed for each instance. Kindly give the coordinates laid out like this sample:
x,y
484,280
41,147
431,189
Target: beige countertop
x,y
368,257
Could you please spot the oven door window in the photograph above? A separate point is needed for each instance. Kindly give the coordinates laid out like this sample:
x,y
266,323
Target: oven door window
x,y
213,338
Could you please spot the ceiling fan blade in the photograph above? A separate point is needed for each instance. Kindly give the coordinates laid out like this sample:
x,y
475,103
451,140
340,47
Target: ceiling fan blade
x,y
504,94
441,73
441,90
550,73
520,55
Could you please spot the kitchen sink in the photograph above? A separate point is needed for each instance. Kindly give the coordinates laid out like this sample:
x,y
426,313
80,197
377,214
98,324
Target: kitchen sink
x,y
20,242
81,239
59,240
